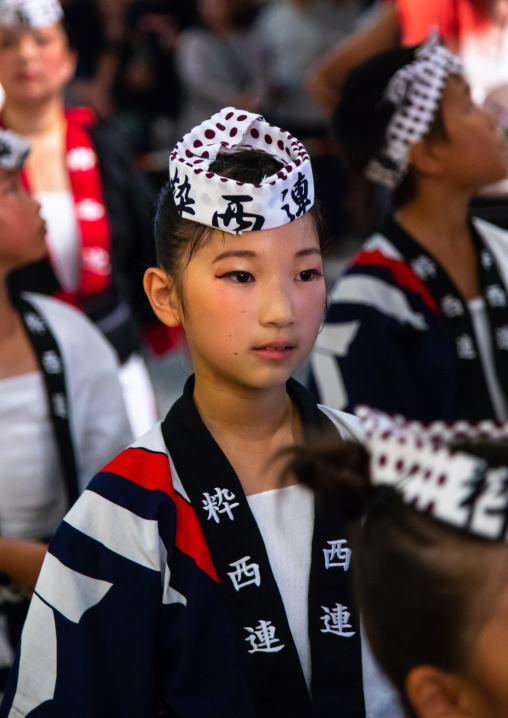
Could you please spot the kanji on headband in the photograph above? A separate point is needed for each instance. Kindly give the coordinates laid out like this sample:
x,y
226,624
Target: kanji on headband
x,y
451,486
235,207
30,13
415,90
13,150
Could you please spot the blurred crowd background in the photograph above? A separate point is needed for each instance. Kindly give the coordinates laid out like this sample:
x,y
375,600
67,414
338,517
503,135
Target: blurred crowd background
x,y
159,67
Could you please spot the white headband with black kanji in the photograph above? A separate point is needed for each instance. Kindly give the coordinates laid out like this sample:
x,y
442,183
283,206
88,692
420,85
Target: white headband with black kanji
x,y
30,13
452,486
14,150
235,207
415,90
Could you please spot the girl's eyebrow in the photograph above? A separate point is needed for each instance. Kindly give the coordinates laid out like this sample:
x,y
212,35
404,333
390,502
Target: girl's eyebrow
x,y
234,253
247,253
7,175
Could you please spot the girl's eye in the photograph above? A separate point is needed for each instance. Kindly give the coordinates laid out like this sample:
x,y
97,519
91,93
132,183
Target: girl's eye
x,y
238,277
7,43
42,40
308,274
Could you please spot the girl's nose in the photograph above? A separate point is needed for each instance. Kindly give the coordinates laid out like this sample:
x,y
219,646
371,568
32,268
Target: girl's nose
x,y
278,306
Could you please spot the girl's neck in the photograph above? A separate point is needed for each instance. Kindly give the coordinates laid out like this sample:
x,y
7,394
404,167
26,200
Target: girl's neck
x,y
34,121
250,426
244,412
437,218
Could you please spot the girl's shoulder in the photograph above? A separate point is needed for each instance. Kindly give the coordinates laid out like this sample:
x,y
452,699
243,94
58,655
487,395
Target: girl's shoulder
x,y
348,425
76,335
145,463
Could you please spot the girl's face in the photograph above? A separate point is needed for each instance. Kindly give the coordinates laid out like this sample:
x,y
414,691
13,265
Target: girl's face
x,y
253,304
475,152
34,64
22,229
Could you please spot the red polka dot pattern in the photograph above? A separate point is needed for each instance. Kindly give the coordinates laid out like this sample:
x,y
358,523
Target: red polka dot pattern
x,y
230,129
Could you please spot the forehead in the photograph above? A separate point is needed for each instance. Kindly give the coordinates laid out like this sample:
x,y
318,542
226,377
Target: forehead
x,y
17,32
289,239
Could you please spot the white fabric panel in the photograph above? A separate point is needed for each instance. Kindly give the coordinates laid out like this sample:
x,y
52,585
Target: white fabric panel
x,y
39,641
70,592
378,294
169,594
497,240
328,379
178,486
138,394
349,426
379,241
481,327
6,652
337,338
285,518
116,527
62,238
152,441
32,488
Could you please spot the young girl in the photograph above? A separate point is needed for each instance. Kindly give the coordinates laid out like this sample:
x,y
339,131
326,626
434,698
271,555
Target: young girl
x,y
432,558
96,206
418,324
62,414
187,582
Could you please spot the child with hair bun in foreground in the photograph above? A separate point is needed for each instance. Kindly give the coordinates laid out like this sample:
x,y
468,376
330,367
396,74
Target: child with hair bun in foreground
x,y
431,572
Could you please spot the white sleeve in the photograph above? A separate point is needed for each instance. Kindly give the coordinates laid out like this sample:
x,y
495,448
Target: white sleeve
x,y
98,417
349,426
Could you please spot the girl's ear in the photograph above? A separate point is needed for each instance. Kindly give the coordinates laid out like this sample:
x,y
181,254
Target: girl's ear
x,y
161,291
424,158
434,693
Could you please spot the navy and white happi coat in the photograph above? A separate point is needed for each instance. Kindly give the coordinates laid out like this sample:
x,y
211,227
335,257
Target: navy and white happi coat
x,y
157,595
399,336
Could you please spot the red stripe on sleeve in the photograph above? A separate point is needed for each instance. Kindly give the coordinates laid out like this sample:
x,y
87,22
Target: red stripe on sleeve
x,y
152,471
402,273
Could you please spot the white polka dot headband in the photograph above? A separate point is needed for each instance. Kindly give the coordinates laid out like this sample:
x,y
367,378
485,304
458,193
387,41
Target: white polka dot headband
x,y
13,150
30,13
415,90
236,207
451,486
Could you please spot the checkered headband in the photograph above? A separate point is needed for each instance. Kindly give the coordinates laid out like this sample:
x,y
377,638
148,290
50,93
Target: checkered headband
x,y
13,150
452,486
30,13
236,207
415,90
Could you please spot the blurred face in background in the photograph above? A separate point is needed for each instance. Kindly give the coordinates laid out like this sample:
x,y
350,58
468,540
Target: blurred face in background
x,y
219,14
35,64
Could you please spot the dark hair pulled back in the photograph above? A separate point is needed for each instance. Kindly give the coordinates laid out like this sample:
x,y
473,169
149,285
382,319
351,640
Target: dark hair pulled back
x,y
361,117
419,582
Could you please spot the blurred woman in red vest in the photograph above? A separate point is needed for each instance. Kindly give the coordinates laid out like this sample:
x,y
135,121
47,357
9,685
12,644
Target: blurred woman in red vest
x,y
97,208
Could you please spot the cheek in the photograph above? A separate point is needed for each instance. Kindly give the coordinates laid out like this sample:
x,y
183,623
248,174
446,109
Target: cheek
x,y
7,64
313,307
53,60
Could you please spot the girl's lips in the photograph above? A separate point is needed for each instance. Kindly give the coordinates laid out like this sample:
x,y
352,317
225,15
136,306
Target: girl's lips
x,y
275,350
